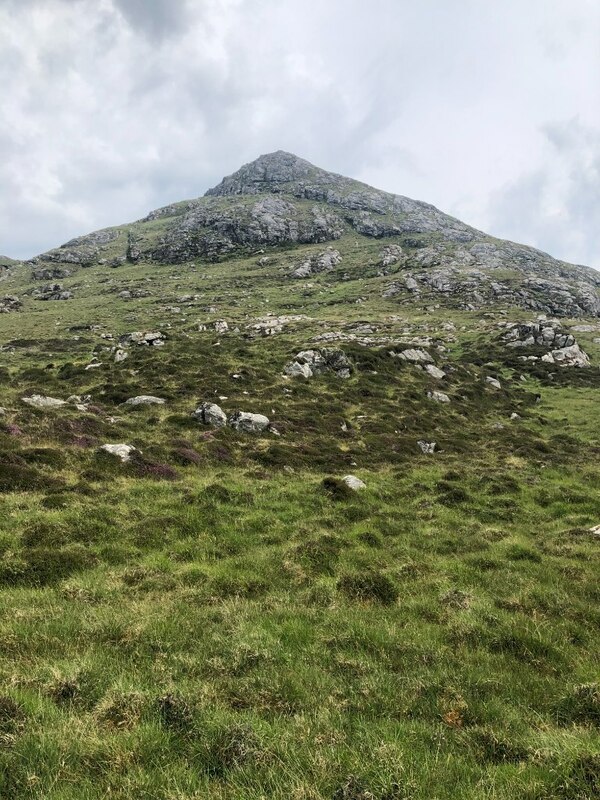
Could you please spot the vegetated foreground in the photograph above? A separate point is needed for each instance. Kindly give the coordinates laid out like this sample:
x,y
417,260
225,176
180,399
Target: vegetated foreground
x,y
211,611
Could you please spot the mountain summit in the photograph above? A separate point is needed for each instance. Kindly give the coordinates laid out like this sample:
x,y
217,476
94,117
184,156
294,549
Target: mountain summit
x,y
280,201
269,173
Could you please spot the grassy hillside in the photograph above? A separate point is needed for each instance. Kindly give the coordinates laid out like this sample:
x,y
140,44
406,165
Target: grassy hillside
x,y
222,616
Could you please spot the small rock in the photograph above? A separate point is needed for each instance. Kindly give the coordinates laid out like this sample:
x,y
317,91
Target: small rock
x,y
493,382
354,483
439,397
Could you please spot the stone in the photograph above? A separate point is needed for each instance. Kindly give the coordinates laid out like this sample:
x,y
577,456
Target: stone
x,y
315,362
390,255
248,422
297,370
122,451
210,414
322,262
43,402
221,326
414,355
10,303
120,356
572,356
145,400
439,397
493,382
143,338
434,371
427,447
354,483
52,291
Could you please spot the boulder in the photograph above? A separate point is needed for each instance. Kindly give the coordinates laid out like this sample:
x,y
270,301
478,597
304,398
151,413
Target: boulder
x,y
414,355
145,400
322,262
9,303
210,414
493,382
122,451
247,422
572,356
439,397
354,483
43,402
427,447
297,370
307,363
52,291
434,371
143,338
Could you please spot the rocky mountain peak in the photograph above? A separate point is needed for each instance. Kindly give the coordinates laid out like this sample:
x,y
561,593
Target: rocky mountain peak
x,y
272,172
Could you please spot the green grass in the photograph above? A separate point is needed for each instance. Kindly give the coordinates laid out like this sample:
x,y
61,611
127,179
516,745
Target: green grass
x,y
222,618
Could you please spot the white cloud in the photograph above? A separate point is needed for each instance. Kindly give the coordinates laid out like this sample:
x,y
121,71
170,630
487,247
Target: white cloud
x,y
113,107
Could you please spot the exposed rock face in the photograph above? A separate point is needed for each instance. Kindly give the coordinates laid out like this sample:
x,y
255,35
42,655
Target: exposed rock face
x,y
469,277
211,414
391,255
248,423
208,230
315,362
49,273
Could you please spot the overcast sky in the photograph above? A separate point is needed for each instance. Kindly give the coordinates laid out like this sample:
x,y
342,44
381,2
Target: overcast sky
x,y
489,109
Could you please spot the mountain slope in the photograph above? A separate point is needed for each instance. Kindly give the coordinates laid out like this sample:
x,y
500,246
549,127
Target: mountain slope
x,y
311,513
280,201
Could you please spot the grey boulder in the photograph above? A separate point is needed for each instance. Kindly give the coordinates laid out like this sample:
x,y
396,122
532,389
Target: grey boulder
x,y
210,414
248,423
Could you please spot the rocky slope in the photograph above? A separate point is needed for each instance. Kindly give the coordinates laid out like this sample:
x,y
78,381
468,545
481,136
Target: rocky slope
x,y
280,201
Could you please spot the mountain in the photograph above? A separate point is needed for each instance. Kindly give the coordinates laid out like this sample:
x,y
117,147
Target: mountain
x,y
299,498
279,201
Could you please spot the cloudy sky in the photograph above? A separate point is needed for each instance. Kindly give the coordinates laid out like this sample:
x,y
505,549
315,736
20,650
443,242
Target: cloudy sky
x,y
490,109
